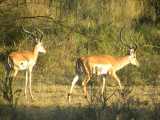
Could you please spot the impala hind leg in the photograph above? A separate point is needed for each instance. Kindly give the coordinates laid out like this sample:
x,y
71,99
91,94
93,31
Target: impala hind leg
x,y
11,78
6,80
87,78
7,75
73,83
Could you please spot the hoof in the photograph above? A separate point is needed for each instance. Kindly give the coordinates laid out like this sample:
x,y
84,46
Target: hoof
x,y
122,92
69,97
87,98
102,99
25,95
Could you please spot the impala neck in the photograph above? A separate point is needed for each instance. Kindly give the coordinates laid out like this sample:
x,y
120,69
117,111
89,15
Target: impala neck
x,y
35,52
123,61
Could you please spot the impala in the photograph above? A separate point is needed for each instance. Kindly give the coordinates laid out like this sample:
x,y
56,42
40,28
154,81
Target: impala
x,y
25,60
101,65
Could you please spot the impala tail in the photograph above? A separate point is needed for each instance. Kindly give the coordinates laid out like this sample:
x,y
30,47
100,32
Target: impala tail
x,y
81,67
9,63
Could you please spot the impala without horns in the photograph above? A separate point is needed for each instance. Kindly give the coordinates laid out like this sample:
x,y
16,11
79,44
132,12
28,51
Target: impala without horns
x,y
101,65
25,60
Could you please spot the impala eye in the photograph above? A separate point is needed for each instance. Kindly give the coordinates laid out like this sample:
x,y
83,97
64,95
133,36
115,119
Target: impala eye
x,y
134,56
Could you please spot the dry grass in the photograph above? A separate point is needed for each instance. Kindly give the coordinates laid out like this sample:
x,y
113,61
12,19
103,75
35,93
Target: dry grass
x,y
50,101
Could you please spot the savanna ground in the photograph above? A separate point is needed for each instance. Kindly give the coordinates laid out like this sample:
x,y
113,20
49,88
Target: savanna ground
x,y
51,102
73,29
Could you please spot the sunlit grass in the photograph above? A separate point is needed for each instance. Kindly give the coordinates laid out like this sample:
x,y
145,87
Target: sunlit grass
x,y
50,100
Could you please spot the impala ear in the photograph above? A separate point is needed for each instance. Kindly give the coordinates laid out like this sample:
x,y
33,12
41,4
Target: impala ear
x,y
131,51
34,42
38,40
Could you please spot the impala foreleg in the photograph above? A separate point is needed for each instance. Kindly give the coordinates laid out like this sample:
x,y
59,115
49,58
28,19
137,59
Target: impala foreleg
x,y
103,85
73,83
30,83
117,79
25,93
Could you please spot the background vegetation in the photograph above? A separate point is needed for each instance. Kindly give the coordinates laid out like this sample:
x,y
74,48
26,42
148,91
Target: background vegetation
x,y
73,29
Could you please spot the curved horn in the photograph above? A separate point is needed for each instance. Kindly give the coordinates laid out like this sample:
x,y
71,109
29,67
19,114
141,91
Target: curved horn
x,y
38,31
28,32
133,42
122,40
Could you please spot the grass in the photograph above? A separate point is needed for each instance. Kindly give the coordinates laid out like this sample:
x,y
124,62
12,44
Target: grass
x,y
50,101
78,28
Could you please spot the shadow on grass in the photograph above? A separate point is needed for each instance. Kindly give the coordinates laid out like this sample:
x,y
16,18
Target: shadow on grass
x,y
126,111
128,106
123,108
8,94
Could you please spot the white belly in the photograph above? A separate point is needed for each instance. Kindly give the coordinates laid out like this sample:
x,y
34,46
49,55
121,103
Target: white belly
x,y
100,69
